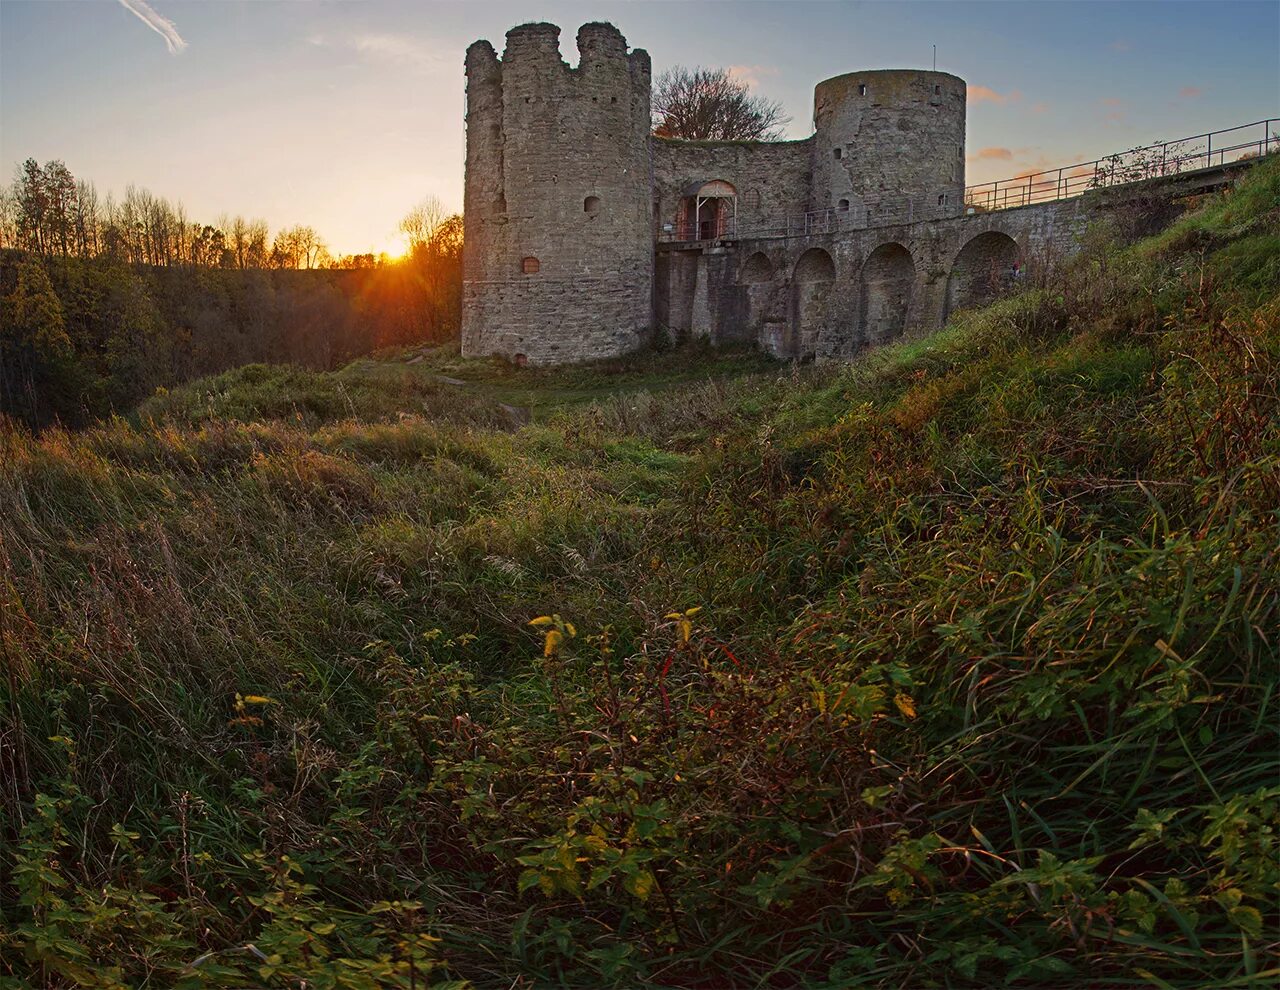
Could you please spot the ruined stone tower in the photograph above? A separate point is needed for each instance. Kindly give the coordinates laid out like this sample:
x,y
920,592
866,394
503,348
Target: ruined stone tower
x,y
558,250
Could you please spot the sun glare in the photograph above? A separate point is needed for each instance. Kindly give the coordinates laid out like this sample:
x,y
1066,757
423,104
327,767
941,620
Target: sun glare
x,y
395,247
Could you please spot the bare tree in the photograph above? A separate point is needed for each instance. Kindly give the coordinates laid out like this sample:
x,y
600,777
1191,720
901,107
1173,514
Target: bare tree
x,y
420,223
9,218
710,105
298,247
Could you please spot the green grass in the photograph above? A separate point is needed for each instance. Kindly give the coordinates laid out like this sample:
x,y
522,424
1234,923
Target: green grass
x,y
953,667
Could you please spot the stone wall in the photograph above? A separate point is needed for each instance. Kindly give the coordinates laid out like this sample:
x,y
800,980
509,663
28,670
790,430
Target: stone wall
x,y
833,295
772,178
558,254
889,144
568,196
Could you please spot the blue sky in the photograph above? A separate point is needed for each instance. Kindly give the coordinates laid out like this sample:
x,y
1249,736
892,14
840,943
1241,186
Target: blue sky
x,y
344,114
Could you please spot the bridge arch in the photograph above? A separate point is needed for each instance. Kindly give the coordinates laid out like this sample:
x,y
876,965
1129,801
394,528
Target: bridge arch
x,y
885,285
984,269
815,265
757,268
812,279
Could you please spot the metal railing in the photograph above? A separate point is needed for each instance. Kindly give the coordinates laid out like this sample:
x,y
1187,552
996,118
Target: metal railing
x,y
900,210
722,228
1164,158
886,213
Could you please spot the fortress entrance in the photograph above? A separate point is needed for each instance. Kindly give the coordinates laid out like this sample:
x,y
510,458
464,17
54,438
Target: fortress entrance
x,y
708,211
887,278
986,268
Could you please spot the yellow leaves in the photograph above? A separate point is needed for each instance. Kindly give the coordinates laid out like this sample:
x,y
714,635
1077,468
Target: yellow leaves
x,y
558,630
640,884
242,703
684,625
906,704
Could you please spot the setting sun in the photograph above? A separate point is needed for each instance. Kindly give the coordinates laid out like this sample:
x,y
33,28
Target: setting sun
x,y
395,247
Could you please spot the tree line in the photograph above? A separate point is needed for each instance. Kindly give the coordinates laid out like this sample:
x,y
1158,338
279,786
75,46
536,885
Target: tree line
x,y
48,211
104,301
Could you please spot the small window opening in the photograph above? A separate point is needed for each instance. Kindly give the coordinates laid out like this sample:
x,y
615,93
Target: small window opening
x,y
843,206
942,199
839,152
613,99
591,205
937,90
862,89
530,266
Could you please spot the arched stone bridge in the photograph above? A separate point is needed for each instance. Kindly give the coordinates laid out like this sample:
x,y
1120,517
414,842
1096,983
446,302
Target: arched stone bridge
x,y
834,294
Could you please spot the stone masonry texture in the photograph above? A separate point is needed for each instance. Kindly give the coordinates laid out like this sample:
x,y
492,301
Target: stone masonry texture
x,y
579,243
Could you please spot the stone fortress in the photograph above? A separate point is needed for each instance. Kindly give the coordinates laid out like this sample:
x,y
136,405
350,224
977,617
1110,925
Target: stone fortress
x,y
584,233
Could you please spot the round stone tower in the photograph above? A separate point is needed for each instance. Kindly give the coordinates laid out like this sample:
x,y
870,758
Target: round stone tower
x,y
558,249
889,145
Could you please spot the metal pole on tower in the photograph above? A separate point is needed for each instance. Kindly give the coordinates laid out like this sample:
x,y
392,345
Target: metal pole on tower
x,y
935,58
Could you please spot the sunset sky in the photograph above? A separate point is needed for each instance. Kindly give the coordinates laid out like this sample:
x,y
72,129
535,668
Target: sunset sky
x,y
342,115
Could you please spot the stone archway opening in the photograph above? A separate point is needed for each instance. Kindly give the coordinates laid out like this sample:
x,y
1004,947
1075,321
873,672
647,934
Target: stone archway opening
x,y
887,279
986,268
811,282
757,268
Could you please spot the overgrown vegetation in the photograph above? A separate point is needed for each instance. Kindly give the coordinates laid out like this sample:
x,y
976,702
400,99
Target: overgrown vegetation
x,y
954,667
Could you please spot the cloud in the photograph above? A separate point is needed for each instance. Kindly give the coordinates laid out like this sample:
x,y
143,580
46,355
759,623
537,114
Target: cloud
x,y
752,74
1039,108
985,94
401,50
1040,165
392,47
1120,45
992,154
160,25
1111,101
1190,92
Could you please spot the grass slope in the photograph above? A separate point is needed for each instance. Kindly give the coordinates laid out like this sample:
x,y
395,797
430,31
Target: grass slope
x,y
954,667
